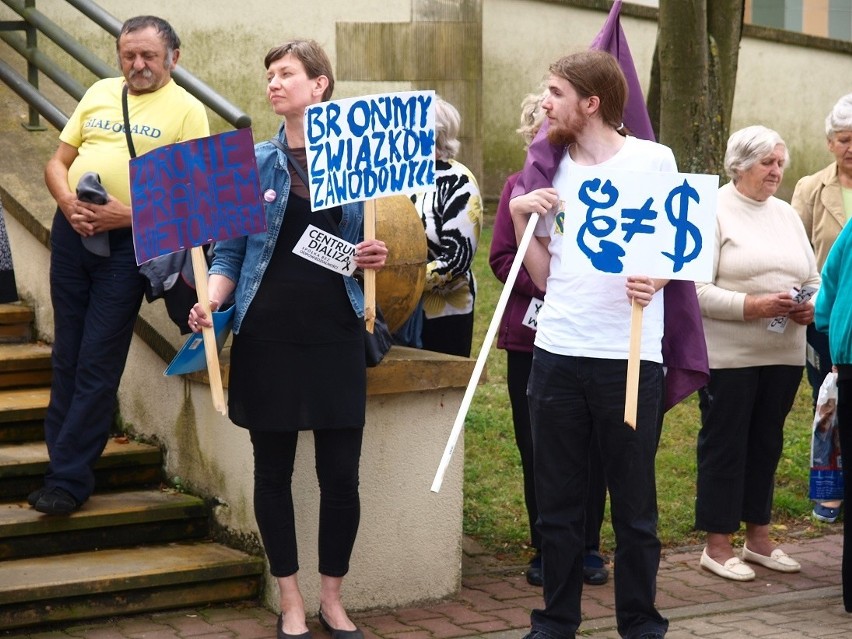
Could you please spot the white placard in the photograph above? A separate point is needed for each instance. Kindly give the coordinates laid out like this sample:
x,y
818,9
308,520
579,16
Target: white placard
x,y
799,295
370,146
327,250
637,223
531,316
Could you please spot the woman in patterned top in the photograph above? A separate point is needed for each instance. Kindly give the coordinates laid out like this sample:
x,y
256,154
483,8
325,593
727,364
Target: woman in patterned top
x,y
452,217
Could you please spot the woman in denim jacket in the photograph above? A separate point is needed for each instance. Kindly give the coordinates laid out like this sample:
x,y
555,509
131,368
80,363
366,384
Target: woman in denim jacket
x,y
298,340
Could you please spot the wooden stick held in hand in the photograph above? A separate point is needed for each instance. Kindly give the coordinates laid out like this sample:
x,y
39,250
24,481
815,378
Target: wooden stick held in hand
x,y
199,268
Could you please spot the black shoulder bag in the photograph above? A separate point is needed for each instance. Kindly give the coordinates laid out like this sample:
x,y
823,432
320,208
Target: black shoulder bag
x,y
378,343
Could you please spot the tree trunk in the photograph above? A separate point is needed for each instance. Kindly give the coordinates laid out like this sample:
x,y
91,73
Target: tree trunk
x,y
693,77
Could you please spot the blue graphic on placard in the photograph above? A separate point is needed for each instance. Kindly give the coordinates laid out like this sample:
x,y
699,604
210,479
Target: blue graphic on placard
x,y
608,258
683,227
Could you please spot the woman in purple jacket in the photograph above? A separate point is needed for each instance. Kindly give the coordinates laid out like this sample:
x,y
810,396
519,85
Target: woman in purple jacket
x,y
516,336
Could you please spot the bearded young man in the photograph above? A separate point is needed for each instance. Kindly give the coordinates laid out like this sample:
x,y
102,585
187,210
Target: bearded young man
x,y
578,381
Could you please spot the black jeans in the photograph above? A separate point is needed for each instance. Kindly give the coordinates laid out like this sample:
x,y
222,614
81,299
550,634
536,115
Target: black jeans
x,y
740,442
573,401
451,334
518,365
95,304
818,350
337,453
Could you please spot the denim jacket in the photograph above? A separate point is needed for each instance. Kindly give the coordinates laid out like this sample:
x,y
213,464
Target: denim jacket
x,y
244,259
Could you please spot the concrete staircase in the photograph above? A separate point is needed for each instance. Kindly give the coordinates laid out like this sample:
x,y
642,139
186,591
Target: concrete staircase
x,y
135,546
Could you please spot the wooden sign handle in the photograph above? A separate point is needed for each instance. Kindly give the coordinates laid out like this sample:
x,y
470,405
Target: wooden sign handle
x,y
633,360
199,268
370,274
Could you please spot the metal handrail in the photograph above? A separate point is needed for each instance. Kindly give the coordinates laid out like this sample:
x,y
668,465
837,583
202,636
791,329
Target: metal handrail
x,y
31,95
216,102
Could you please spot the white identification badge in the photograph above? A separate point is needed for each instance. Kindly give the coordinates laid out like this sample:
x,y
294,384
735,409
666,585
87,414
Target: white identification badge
x,y
327,250
778,324
531,316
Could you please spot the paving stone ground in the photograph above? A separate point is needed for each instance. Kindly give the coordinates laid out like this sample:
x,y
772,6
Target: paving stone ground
x,y
495,601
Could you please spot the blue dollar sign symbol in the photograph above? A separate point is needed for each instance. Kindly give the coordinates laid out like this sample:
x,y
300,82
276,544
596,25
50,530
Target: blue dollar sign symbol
x,y
683,227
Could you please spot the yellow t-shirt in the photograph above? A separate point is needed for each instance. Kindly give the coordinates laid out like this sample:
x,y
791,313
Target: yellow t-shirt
x,y
96,128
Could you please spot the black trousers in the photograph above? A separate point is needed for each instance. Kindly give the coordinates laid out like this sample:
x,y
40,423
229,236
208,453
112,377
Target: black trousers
x,y
337,453
844,421
818,345
575,402
518,365
96,302
452,334
740,442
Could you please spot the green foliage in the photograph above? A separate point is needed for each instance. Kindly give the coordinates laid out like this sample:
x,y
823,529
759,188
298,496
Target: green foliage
x,y
494,510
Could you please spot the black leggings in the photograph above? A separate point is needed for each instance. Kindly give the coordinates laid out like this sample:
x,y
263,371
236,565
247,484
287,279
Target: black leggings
x,y
338,453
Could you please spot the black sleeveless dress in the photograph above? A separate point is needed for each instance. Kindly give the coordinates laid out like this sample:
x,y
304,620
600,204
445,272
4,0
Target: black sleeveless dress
x,y
298,360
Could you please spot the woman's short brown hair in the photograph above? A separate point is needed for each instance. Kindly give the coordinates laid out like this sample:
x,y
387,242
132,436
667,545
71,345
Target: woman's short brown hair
x,y
311,55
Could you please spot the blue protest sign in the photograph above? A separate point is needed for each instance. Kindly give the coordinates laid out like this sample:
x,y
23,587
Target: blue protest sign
x,y
370,146
195,192
630,222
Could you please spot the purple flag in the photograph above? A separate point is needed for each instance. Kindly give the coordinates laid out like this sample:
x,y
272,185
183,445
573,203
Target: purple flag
x,y
684,348
611,39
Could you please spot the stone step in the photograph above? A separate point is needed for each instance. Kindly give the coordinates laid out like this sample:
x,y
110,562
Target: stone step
x,y
22,412
124,581
123,463
16,321
108,520
25,365
23,404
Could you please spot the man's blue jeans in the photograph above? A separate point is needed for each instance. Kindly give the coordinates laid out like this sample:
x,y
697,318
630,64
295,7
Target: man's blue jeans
x,y
95,304
573,400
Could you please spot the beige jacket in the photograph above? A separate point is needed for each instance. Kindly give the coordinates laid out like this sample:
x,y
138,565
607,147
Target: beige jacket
x,y
819,202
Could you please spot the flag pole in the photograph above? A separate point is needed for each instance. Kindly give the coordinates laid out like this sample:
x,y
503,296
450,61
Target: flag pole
x,y
483,352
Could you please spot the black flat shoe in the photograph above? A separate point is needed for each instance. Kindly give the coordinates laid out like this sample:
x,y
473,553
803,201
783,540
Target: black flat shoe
x,y
595,572
56,501
34,496
534,575
285,635
339,634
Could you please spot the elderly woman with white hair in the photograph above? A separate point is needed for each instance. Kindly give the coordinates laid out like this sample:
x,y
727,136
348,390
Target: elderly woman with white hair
x,y
762,256
452,216
824,202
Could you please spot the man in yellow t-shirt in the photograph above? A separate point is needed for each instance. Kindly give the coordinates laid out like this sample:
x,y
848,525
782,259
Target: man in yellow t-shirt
x,y
97,292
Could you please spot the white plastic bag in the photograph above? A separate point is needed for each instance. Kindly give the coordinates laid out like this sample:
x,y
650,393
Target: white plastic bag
x,y
826,476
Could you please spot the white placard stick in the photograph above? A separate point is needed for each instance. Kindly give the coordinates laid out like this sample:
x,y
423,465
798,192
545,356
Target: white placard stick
x,y
633,360
369,273
199,268
483,352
